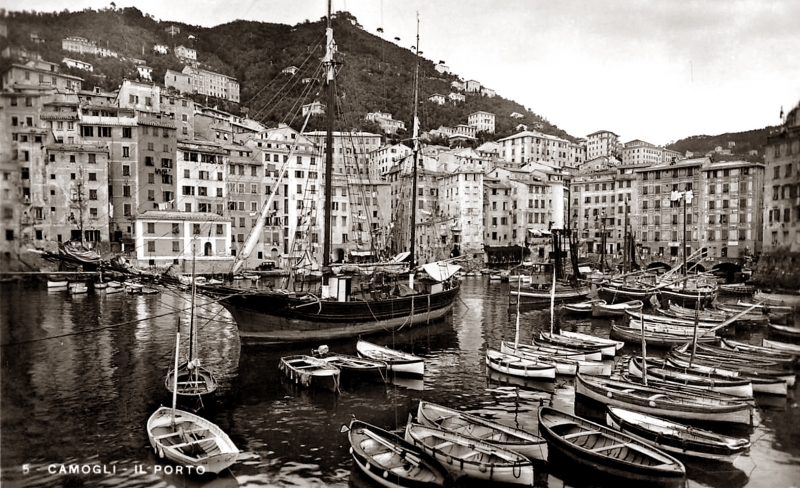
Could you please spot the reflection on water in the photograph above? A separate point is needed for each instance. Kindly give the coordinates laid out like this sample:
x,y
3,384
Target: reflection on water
x,y
81,376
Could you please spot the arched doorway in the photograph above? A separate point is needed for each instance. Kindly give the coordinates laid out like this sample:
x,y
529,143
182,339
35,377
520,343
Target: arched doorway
x,y
207,249
340,256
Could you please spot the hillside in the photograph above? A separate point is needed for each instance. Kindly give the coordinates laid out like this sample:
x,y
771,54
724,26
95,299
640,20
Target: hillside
x,y
375,75
744,143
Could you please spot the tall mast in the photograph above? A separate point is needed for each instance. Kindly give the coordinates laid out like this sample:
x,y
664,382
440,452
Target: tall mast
x,y
416,156
191,316
330,47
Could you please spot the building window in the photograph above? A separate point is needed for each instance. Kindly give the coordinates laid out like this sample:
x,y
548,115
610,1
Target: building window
x,y
127,133
151,246
92,194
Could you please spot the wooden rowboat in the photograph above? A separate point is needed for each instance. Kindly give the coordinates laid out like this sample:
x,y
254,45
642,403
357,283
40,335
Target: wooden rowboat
x,y
766,352
781,346
594,339
310,372
465,456
526,443
190,440
661,372
580,308
784,330
397,361
564,365
390,460
653,338
519,366
605,450
603,309
675,438
663,402
352,366
607,350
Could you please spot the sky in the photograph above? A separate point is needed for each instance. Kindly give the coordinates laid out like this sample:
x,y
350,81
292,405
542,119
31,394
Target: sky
x,y
657,71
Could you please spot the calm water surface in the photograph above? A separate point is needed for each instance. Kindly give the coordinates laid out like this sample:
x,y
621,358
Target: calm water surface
x,y
81,375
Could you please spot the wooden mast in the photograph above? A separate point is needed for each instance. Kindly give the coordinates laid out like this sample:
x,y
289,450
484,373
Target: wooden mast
x,y
329,112
415,136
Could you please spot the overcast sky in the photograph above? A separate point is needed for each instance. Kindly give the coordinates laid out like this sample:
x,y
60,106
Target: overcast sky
x,y
656,71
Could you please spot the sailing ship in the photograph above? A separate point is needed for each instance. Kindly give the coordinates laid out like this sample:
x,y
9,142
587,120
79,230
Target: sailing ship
x,y
338,306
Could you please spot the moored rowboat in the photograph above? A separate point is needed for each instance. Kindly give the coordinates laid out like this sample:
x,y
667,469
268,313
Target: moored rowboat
x,y
602,449
526,443
190,440
310,372
467,457
390,460
397,361
519,366
663,402
675,438
603,309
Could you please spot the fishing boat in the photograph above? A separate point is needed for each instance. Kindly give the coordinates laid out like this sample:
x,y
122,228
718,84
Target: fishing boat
x,y
607,350
736,290
594,339
785,361
57,283
468,457
689,296
659,372
764,384
763,378
331,307
580,308
663,402
756,317
194,382
784,330
536,298
310,372
594,446
612,293
708,315
390,460
564,364
675,438
659,320
654,338
188,439
603,309
526,443
781,346
397,361
352,366
519,366
762,351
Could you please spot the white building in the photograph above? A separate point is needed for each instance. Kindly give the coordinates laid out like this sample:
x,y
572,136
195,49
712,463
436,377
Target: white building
x,y
482,121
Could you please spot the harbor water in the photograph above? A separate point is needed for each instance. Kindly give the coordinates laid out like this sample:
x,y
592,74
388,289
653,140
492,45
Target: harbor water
x,y
82,373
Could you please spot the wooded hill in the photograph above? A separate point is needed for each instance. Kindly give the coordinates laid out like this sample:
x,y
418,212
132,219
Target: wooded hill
x,y
744,143
375,74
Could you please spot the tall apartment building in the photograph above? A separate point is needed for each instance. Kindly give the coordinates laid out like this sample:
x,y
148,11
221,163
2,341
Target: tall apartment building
x,y
116,128
782,186
602,143
155,166
528,146
39,73
381,160
245,195
201,177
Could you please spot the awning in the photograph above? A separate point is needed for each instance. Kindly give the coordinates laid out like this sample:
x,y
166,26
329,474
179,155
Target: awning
x,y
539,233
584,269
440,271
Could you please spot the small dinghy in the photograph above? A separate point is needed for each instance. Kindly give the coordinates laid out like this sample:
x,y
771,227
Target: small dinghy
x,y
390,460
580,308
564,365
351,366
467,457
78,289
603,309
677,438
397,361
310,372
519,366
602,449
526,443
190,440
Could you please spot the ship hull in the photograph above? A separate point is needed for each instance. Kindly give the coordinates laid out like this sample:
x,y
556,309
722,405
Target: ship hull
x,y
283,318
